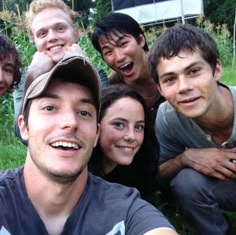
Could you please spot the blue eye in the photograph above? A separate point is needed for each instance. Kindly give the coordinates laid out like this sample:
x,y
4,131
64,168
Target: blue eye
x,y
118,125
139,127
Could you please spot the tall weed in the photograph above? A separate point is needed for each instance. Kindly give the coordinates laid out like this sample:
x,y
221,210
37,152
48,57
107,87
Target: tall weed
x,y
222,37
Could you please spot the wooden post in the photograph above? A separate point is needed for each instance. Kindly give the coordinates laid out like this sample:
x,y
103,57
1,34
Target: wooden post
x,y
182,11
234,40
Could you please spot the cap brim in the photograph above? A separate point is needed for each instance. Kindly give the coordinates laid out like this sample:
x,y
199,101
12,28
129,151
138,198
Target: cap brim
x,y
77,66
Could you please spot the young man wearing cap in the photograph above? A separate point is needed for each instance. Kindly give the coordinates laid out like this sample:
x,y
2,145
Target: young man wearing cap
x,y
54,193
10,66
123,46
196,127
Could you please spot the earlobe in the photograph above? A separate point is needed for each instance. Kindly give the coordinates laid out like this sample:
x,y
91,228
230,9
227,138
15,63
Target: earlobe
x,y
142,40
23,128
159,89
98,134
218,71
76,35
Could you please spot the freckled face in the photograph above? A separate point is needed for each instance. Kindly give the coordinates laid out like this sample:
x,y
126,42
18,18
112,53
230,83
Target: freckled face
x,y
122,131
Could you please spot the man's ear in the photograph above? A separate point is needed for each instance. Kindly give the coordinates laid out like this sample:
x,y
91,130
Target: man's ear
x,y
159,89
23,128
98,134
218,71
76,35
142,40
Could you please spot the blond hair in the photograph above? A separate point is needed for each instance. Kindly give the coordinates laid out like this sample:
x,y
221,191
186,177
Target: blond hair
x,y
36,6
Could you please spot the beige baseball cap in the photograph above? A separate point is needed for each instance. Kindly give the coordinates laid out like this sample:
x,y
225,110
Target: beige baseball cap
x,y
75,68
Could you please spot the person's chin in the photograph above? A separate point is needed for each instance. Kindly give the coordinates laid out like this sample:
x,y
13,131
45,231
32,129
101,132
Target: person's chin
x,y
57,57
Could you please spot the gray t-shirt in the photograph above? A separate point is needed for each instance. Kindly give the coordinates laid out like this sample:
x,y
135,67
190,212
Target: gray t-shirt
x,y
104,208
176,132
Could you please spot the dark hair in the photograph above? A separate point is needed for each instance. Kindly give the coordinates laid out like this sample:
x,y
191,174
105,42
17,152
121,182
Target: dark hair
x,y
114,24
7,51
182,38
146,159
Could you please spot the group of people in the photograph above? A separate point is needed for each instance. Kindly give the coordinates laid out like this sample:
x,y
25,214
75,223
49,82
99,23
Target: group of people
x,y
164,118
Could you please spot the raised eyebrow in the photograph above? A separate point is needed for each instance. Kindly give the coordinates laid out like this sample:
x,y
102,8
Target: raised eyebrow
x,y
192,65
126,121
166,74
88,101
60,24
140,122
185,69
55,96
48,95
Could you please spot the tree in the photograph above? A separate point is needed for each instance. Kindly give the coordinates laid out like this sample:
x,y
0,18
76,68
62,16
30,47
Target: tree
x,y
83,8
14,6
222,12
103,9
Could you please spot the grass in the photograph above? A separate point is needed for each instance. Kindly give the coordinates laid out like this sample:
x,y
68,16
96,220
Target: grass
x,y
13,152
229,76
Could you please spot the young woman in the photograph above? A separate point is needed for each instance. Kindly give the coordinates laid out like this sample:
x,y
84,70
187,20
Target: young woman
x,y
127,151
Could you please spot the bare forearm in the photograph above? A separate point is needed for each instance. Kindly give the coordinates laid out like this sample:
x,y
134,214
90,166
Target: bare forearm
x,y
161,231
171,167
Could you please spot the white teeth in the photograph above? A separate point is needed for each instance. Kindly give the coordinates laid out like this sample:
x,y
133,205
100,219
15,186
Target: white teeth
x,y
124,65
55,48
127,149
65,144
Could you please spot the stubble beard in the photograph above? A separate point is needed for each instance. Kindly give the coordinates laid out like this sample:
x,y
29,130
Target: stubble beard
x,y
55,176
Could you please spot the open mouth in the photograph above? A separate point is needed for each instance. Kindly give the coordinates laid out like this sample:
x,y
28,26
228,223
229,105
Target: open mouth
x,y
65,145
127,68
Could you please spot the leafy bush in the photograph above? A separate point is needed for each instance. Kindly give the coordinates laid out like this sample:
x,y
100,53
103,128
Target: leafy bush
x,y
93,55
222,37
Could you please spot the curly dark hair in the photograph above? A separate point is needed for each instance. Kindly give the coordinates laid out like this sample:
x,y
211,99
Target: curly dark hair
x,y
7,51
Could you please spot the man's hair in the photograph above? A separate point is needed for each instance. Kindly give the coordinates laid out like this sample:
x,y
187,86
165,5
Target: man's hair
x,y
182,38
7,51
117,23
36,6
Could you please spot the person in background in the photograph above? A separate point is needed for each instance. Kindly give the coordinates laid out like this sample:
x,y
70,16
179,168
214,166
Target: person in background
x,y
123,46
127,151
10,66
196,127
53,193
51,25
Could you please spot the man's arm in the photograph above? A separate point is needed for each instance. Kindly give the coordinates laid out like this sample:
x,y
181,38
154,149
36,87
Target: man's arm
x,y
174,156
214,162
161,231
